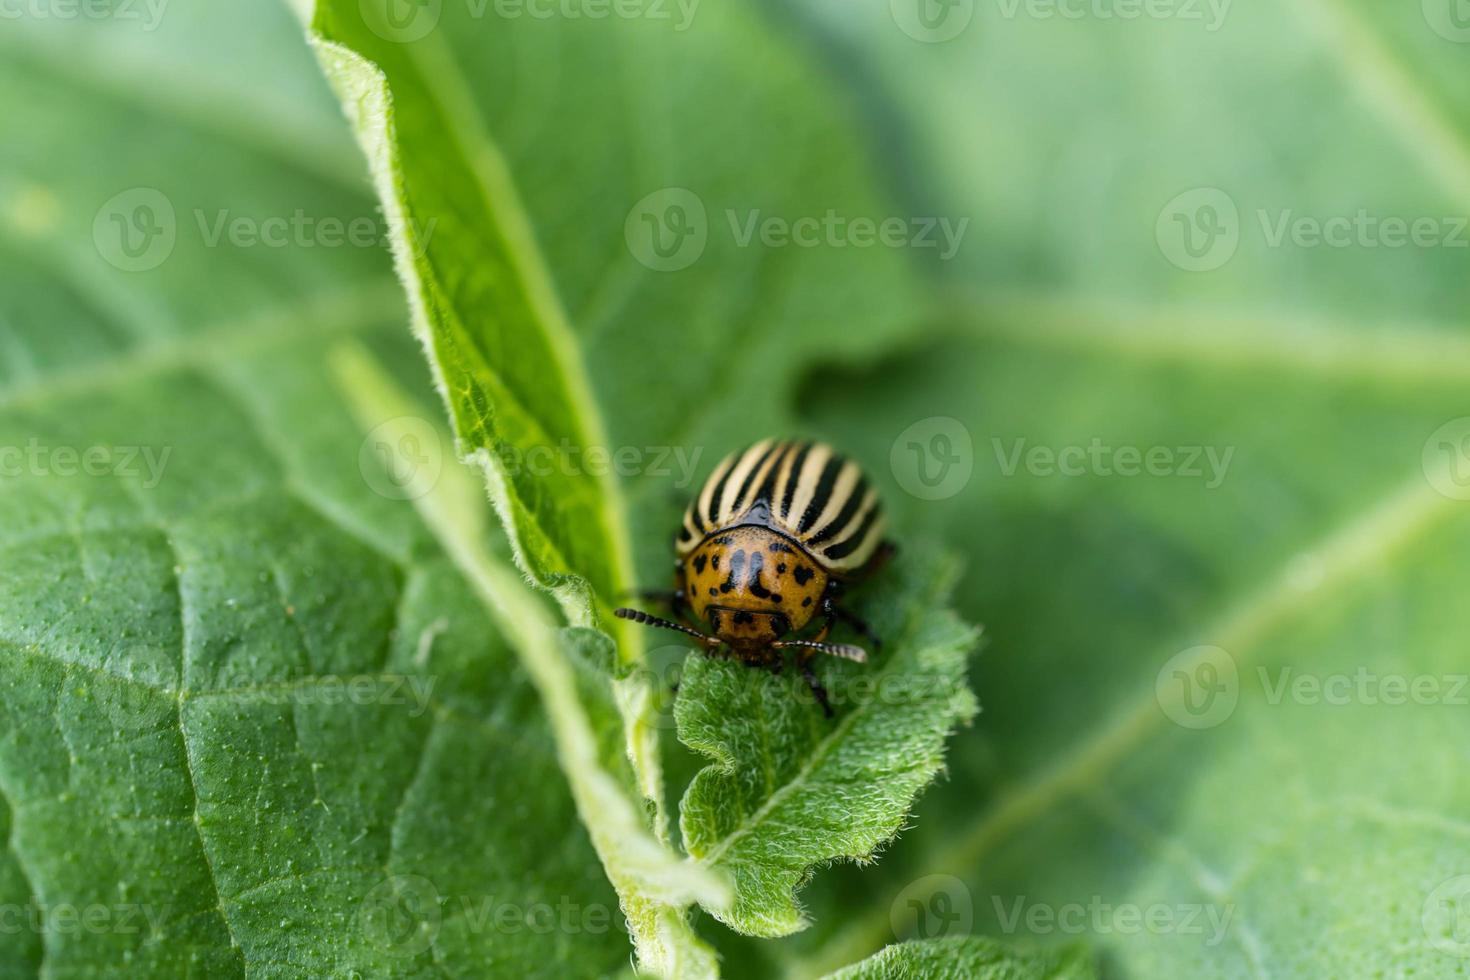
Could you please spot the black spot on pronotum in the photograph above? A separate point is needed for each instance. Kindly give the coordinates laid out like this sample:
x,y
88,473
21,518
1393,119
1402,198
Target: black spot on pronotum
x,y
699,561
741,618
781,568
753,580
737,563
807,601
713,590
803,574
714,562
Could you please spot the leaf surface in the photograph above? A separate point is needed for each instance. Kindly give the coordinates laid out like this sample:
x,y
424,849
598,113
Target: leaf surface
x,y
253,718
789,790
1296,831
975,957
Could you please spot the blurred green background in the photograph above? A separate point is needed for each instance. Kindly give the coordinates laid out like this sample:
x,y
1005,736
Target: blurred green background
x,y
1229,239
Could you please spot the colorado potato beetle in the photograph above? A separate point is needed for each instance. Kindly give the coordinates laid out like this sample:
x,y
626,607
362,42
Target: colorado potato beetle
x,y
767,545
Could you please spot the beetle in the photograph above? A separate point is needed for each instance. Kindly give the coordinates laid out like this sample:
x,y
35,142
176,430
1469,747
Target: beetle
x,y
767,545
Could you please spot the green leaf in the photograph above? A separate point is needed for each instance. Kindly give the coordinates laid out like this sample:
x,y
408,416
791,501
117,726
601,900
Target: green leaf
x,y
653,883
787,791
1325,833
491,286
975,957
253,720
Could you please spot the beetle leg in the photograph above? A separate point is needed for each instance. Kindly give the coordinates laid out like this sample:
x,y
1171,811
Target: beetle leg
x,y
834,611
804,664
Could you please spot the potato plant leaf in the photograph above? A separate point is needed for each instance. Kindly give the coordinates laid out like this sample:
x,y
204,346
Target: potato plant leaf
x,y
253,720
789,790
973,957
490,305
1199,687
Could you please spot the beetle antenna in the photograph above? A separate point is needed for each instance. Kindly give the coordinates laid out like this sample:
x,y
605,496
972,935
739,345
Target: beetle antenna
x,y
844,650
639,616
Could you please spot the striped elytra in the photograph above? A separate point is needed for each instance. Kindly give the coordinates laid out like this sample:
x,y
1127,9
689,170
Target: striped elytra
x,y
765,551
805,491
